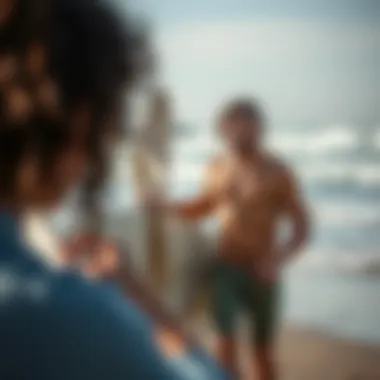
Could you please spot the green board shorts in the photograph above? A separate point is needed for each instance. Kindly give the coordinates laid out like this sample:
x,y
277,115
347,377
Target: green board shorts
x,y
235,290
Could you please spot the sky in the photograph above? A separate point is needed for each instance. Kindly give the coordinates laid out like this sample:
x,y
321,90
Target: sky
x,y
308,62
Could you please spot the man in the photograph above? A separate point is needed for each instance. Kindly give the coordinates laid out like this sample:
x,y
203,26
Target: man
x,y
250,190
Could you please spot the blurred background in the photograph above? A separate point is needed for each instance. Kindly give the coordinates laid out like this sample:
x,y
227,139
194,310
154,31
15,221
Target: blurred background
x,y
315,66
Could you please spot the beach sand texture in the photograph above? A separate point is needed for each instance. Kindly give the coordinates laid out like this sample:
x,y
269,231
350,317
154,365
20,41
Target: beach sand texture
x,y
306,355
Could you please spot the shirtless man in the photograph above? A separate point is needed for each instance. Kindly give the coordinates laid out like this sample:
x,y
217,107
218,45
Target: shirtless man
x,y
250,191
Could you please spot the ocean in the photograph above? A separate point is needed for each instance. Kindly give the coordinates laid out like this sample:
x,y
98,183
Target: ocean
x,y
335,285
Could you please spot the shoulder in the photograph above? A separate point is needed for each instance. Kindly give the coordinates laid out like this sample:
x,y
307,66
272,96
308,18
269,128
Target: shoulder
x,y
31,287
33,292
283,175
219,164
279,167
213,168
98,331
216,162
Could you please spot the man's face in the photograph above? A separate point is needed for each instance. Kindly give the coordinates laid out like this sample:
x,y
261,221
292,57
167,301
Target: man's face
x,y
242,134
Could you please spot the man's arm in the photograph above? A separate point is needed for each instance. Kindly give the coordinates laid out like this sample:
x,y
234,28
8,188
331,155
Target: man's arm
x,y
194,209
205,203
296,212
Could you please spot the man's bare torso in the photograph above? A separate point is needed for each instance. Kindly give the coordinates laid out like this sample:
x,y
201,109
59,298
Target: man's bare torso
x,y
249,199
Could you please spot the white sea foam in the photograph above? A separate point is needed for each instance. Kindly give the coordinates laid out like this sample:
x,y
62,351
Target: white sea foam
x,y
186,172
200,144
333,139
336,173
346,214
309,149
354,263
312,149
341,174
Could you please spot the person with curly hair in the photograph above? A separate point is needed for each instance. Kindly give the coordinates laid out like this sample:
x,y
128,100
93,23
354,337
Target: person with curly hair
x,y
67,70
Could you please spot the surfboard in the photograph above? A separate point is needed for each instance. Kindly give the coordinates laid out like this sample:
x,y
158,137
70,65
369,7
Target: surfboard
x,y
150,168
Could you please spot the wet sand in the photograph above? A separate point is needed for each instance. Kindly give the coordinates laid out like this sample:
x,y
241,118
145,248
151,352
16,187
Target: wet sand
x,y
307,355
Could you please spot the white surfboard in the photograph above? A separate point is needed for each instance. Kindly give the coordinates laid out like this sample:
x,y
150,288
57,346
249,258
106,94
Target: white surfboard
x,y
177,252
150,176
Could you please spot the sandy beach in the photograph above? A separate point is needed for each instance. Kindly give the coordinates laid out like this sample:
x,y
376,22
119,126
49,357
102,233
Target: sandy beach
x,y
305,355
308,355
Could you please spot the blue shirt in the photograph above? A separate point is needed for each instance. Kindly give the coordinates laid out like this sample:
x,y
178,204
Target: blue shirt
x,y
57,325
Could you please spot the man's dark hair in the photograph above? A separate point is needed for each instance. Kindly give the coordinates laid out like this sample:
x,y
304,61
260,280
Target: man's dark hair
x,y
242,108
92,56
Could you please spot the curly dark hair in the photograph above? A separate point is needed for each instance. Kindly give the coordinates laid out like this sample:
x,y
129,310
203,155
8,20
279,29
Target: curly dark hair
x,y
54,56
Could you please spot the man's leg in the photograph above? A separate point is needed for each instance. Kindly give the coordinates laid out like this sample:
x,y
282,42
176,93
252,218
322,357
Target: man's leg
x,y
264,359
227,354
224,310
264,308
